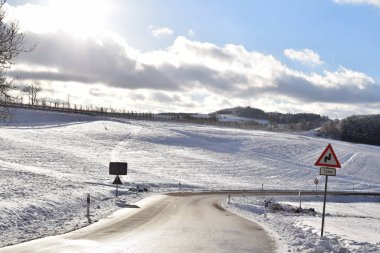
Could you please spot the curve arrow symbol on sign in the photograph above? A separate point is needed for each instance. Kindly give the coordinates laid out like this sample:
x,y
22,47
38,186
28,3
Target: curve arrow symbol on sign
x,y
328,158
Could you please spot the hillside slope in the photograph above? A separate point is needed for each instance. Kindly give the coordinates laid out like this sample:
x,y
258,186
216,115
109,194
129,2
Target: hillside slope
x,y
47,166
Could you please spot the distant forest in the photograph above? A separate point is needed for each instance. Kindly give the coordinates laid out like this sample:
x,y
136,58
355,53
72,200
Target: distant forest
x,y
298,121
359,129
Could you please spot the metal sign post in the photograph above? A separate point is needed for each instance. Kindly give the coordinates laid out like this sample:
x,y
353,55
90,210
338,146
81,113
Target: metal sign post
x,y
117,181
330,161
324,206
327,172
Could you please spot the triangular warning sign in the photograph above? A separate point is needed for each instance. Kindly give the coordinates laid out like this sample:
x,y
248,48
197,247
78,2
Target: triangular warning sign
x,y
117,180
328,158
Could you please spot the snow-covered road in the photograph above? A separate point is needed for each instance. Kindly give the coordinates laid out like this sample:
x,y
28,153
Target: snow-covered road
x,y
193,223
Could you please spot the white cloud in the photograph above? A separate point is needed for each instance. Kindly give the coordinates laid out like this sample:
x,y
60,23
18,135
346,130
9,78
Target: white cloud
x,y
305,56
341,78
230,71
375,3
160,31
193,75
190,32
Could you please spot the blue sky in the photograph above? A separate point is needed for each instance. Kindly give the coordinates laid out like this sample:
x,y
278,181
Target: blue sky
x,y
291,56
342,34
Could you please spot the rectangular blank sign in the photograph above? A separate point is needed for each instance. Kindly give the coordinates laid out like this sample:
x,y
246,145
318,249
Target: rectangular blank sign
x,y
117,168
328,171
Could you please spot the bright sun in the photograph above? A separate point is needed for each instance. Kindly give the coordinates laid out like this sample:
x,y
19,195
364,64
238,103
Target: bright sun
x,y
83,17
79,17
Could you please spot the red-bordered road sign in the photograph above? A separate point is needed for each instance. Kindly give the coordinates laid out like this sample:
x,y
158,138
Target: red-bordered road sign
x,y
328,158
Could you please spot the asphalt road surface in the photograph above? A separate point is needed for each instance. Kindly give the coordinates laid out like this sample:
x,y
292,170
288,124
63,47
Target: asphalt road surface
x,y
182,223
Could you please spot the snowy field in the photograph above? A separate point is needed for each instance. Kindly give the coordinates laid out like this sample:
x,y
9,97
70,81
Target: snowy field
x,y
352,224
50,161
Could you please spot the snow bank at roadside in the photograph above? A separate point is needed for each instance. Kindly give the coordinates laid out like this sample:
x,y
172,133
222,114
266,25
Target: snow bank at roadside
x,y
300,232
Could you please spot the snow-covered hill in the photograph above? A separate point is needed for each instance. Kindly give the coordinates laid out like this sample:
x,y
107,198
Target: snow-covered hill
x,y
50,161
233,118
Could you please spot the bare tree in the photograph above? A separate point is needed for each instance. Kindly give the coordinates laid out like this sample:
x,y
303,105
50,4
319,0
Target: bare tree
x,y
68,101
32,91
11,44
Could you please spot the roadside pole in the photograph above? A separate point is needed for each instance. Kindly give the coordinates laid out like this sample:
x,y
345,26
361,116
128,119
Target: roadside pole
x,y
88,204
300,195
266,204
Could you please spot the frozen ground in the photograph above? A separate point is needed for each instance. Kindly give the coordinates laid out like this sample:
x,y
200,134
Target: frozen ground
x,y
50,161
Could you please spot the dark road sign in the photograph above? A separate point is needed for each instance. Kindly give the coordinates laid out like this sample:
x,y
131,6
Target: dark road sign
x,y
118,168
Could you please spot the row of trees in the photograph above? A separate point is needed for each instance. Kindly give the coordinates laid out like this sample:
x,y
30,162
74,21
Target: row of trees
x,y
246,112
359,129
298,121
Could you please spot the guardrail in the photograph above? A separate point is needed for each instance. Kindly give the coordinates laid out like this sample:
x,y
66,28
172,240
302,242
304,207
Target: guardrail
x,y
277,192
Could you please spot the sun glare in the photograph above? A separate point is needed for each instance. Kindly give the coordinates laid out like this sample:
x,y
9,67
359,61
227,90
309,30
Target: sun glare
x,y
78,17
83,17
